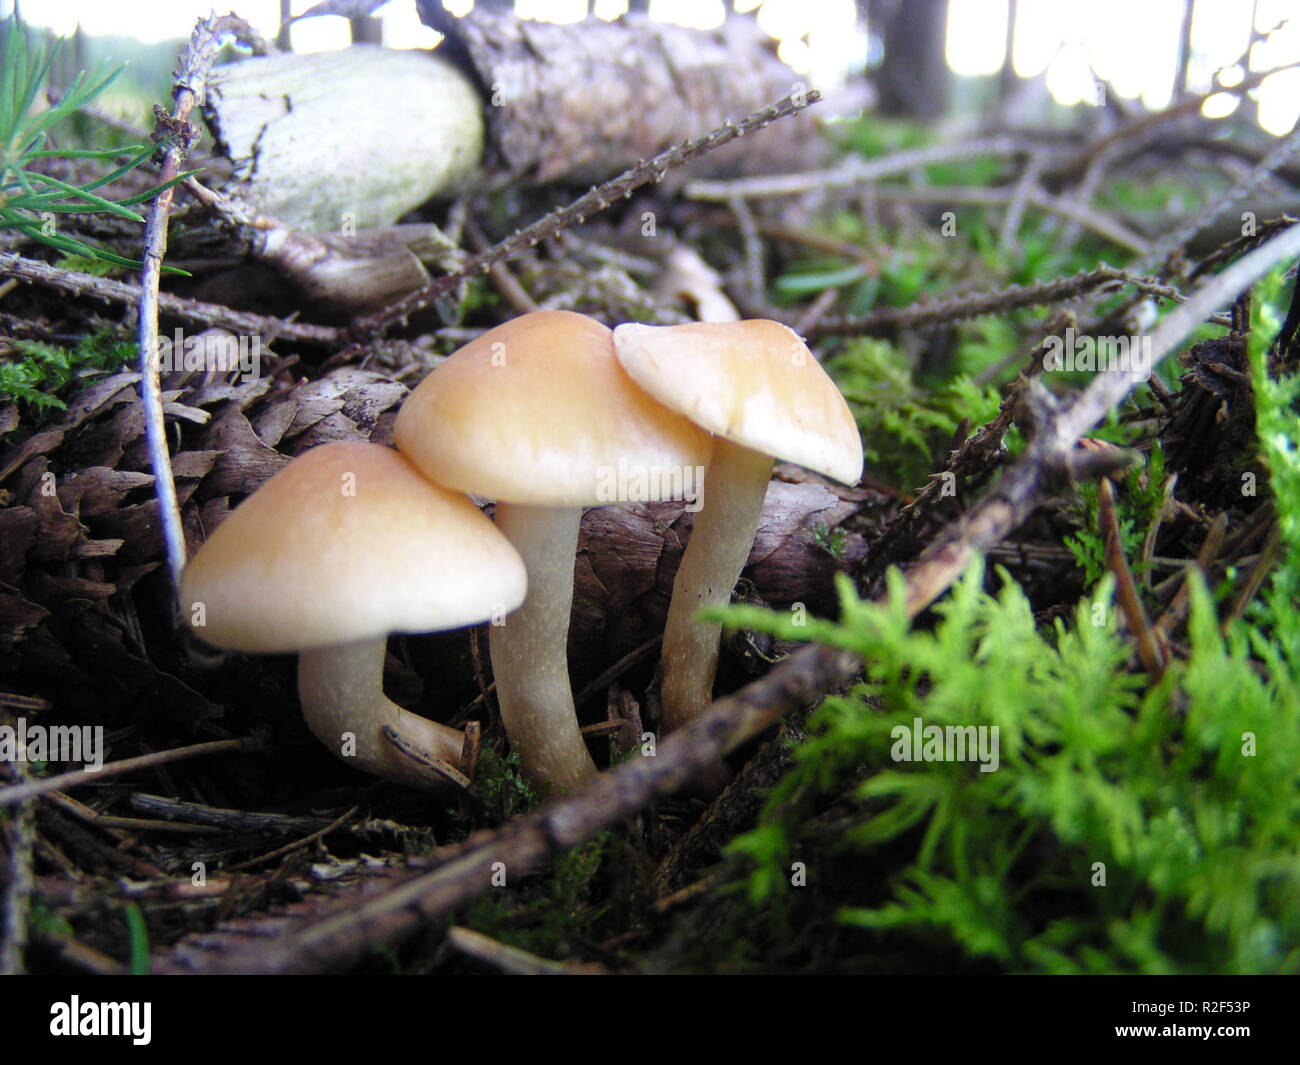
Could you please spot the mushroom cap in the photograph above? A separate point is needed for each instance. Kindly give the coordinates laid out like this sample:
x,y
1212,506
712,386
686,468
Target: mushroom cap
x,y
348,542
754,383
538,411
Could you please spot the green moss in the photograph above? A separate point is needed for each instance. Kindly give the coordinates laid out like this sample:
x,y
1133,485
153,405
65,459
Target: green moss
x,y
1127,826
905,426
44,370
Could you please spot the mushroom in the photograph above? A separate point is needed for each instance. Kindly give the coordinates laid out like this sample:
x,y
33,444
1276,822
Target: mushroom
x,y
758,388
344,545
537,415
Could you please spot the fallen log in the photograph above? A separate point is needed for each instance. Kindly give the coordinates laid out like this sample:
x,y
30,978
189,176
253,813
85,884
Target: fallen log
x,y
361,136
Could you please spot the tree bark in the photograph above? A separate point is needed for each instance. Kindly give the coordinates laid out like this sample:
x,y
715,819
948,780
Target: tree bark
x,y
914,73
364,135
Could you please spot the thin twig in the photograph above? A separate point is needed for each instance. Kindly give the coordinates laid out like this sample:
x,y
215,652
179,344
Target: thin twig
x,y
222,819
187,310
64,781
18,889
179,134
1109,229
297,844
511,959
608,676
1149,122
1153,655
1012,297
1210,548
1238,195
591,203
1268,558
755,284
855,171
1023,191
506,284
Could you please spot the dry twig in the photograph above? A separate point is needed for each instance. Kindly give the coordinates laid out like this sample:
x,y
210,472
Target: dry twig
x,y
593,202
176,131
1012,297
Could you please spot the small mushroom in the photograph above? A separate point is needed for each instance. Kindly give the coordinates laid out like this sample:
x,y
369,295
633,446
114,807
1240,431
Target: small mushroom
x,y
758,388
344,545
537,415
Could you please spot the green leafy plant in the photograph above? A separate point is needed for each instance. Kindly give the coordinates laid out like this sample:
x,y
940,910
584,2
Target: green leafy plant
x,y
42,370
138,937
1137,505
546,914
1277,428
1127,826
31,200
903,424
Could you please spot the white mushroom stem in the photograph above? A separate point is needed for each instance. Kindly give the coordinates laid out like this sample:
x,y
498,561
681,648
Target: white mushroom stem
x,y
342,696
734,487
530,651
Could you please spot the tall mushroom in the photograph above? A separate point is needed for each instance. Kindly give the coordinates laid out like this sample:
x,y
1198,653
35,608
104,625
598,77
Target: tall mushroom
x,y
758,388
344,545
537,415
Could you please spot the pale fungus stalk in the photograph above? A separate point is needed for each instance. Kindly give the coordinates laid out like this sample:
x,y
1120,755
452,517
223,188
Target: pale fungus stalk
x,y
343,702
530,651
763,395
734,488
537,415
348,543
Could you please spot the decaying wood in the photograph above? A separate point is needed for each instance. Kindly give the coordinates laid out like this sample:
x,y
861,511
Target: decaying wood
x,y
580,101
361,135
368,134
589,203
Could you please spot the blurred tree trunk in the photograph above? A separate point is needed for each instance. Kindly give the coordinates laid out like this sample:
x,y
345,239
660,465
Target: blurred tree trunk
x,y
913,78
283,39
1007,76
366,29
1181,78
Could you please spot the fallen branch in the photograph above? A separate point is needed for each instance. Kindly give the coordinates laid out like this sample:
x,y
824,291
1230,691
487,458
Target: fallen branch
x,y
591,203
1010,298
174,130
856,171
18,792
187,310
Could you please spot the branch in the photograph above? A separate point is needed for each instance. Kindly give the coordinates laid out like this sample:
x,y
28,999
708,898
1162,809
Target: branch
x,y
19,792
187,310
856,171
1018,493
593,202
352,931
176,131
1010,298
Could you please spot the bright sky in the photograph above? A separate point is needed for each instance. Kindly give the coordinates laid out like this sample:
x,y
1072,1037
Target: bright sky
x,y
1132,45
1129,44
